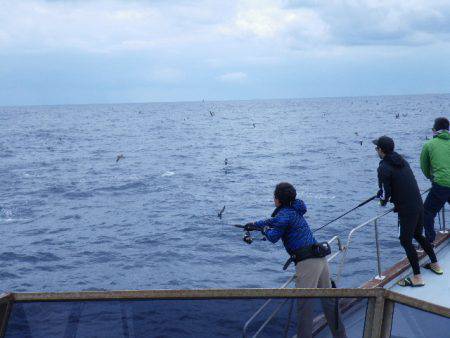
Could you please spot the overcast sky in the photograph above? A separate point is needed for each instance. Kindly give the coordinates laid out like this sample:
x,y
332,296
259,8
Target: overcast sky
x,y
55,52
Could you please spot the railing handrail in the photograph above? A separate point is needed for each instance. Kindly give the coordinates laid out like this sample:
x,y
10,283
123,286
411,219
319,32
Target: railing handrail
x,y
240,293
372,220
347,245
340,249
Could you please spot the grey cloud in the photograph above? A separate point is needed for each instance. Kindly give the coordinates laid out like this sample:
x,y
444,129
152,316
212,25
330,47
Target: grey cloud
x,y
214,29
381,22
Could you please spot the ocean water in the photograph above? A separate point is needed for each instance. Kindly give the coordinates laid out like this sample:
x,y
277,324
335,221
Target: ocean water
x,y
73,218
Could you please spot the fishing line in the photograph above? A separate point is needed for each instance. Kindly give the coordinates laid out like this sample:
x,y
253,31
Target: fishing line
x,y
339,217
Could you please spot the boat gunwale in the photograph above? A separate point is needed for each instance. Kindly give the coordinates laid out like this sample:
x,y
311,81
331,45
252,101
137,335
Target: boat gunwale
x,y
194,294
416,303
224,294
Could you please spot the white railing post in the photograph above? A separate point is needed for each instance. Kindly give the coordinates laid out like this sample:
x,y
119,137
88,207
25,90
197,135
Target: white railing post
x,y
442,229
379,277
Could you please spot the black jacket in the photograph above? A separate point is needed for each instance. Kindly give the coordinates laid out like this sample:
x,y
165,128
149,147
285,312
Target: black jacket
x,y
397,180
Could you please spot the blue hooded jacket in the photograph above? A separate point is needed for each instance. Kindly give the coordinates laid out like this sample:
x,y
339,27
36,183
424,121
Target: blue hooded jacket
x,y
288,223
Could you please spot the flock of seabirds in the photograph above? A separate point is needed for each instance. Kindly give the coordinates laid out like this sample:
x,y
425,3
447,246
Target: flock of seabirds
x,y
212,114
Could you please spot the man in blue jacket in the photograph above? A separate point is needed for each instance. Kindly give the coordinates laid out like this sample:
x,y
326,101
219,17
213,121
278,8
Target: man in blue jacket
x,y
287,222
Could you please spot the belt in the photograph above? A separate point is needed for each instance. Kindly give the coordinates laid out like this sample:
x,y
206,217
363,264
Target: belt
x,y
316,250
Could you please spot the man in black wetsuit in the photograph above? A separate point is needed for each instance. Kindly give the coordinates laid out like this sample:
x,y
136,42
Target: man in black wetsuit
x,y
397,180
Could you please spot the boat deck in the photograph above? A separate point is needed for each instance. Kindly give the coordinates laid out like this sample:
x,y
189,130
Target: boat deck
x,y
437,287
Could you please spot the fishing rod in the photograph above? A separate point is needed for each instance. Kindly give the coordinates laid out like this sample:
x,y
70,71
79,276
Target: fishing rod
x,y
358,206
339,217
249,240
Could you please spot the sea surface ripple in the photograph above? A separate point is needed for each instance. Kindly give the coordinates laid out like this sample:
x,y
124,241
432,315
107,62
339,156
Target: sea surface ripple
x,y
72,218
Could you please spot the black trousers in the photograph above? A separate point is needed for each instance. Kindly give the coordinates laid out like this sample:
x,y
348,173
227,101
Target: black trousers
x,y
411,226
434,202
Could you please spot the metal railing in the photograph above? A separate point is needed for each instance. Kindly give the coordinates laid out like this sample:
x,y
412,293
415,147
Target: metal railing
x,y
441,218
377,243
374,220
285,285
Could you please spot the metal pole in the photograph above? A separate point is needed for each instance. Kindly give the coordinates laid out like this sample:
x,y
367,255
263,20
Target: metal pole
x,y
443,219
442,226
379,277
244,332
439,219
270,318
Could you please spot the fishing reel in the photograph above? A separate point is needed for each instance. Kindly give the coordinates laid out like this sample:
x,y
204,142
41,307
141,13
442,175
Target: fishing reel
x,y
247,238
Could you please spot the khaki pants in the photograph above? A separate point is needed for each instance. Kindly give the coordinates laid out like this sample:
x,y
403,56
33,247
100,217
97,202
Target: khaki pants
x,y
313,273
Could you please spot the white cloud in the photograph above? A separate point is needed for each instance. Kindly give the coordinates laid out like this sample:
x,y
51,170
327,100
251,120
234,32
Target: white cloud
x,y
104,26
269,20
236,77
220,34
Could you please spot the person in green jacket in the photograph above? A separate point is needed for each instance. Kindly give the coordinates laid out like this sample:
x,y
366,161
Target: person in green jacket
x,y
435,165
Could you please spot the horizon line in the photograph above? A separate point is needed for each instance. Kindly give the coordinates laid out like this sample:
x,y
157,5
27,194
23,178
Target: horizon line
x,y
217,100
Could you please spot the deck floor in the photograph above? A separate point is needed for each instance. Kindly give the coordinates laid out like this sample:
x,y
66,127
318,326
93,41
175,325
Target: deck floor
x,y
437,287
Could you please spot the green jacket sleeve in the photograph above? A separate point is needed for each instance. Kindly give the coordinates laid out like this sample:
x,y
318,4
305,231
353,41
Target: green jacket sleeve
x,y
425,161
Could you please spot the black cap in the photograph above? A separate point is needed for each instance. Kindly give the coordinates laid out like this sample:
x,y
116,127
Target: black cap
x,y
385,143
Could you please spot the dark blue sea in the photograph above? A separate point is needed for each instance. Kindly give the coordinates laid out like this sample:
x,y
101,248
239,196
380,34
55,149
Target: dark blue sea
x,y
72,218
